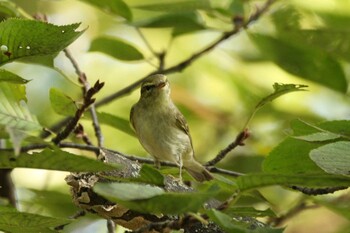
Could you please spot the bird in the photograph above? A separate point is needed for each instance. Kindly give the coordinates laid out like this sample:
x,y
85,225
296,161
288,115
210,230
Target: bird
x,y
162,129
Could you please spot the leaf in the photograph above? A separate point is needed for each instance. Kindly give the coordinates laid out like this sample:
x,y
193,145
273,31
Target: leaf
x,y
14,112
150,199
258,180
176,6
325,131
18,222
115,7
54,159
48,202
279,90
23,38
61,103
303,61
9,9
150,175
116,122
224,221
116,48
181,23
128,191
334,158
291,156
248,211
6,76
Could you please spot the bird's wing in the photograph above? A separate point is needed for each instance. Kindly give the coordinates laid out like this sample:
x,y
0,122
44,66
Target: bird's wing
x,y
180,123
131,118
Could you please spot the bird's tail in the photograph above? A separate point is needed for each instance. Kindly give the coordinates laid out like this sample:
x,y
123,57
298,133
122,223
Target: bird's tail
x,y
197,171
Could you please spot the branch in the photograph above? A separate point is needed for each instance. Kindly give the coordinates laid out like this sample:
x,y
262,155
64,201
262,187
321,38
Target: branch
x,y
86,87
238,142
88,100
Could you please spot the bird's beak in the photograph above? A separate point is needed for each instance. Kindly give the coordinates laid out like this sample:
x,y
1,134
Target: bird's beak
x,y
161,85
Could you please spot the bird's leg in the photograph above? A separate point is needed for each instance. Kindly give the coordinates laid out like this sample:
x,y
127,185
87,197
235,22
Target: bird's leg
x,y
157,163
180,165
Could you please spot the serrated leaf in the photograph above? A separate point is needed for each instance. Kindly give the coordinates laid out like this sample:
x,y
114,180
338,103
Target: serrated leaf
x,y
116,122
324,131
181,23
303,61
14,112
291,156
61,103
115,7
334,158
153,200
18,222
22,38
176,6
279,90
54,159
253,181
6,76
116,48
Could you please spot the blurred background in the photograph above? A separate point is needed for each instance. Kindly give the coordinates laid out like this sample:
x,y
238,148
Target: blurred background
x,y
216,93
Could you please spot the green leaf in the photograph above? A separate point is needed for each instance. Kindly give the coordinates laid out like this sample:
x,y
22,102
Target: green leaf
x,y
334,158
116,48
248,211
9,9
48,202
177,6
14,112
54,159
61,103
150,199
225,222
303,61
116,122
150,175
6,76
181,23
115,7
291,156
324,131
279,90
253,181
18,222
21,38
128,191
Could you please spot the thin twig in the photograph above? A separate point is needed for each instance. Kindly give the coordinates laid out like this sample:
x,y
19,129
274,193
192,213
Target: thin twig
x,y
278,221
86,87
239,141
88,100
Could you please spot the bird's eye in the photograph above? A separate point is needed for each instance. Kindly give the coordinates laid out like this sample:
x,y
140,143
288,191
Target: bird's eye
x,y
147,88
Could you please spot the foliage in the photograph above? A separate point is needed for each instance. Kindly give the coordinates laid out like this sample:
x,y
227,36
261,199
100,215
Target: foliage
x,y
313,157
